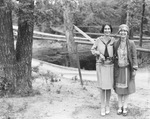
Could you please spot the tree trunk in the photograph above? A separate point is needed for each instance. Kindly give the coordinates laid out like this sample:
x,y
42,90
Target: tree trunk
x,y
24,47
131,33
141,26
128,19
123,17
128,14
68,21
7,52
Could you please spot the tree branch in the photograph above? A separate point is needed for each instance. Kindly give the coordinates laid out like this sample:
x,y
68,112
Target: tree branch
x,y
1,3
93,12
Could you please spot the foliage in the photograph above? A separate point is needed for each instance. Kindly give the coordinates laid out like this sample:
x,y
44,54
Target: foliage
x,y
104,13
49,13
4,86
135,11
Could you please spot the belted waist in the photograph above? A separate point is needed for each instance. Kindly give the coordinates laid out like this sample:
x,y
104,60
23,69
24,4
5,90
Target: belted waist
x,y
108,60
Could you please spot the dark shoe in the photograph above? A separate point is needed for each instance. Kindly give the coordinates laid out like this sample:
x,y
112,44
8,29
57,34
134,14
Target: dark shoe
x,y
125,112
119,112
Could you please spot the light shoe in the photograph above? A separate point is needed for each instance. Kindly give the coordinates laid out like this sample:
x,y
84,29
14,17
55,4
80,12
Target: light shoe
x,y
107,109
103,112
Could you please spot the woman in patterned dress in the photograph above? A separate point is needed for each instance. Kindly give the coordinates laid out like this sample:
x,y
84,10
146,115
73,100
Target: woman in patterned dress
x,y
103,50
125,66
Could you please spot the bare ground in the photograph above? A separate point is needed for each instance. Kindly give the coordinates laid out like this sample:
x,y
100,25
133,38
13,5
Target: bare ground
x,y
65,98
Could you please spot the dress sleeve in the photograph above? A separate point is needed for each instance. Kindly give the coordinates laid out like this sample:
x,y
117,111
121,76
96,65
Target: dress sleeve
x,y
94,47
134,56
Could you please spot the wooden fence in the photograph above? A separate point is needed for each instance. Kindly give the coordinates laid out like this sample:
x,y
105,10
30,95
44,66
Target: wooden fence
x,y
80,40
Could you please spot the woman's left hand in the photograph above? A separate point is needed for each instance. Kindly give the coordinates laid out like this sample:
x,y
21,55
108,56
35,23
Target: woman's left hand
x,y
134,73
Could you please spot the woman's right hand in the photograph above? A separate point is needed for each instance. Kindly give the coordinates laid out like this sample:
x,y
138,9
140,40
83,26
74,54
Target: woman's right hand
x,y
96,53
102,57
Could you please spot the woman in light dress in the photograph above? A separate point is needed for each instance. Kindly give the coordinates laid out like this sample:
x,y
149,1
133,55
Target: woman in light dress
x,y
103,50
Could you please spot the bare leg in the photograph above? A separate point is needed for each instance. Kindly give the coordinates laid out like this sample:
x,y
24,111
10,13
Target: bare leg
x,y
120,97
102,93
125,104
119,104
108,94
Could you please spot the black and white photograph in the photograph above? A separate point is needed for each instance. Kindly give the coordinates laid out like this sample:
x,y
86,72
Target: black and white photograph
x,y
74,59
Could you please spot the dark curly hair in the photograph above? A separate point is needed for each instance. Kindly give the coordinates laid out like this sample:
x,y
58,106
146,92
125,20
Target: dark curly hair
x,y
103,26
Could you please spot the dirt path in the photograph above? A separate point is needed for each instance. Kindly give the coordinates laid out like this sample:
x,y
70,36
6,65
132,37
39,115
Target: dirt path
x,y
66,99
